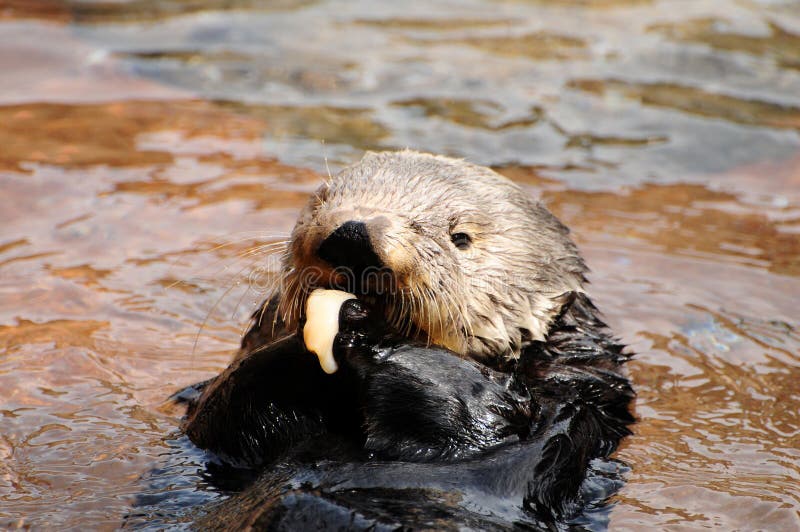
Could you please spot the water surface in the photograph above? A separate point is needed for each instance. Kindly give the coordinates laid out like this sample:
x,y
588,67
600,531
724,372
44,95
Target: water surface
x,y
152,151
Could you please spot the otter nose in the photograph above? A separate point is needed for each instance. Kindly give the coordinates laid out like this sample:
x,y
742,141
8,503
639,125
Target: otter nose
x,y
349,246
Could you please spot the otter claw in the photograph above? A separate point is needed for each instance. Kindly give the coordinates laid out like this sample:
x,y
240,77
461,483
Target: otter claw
x,y
322,324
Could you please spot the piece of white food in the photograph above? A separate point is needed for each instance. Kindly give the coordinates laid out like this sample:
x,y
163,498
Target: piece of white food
x,y
322,324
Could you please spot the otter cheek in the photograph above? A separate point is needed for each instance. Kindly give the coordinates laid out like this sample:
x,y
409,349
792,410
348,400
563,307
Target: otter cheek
x,y
322,324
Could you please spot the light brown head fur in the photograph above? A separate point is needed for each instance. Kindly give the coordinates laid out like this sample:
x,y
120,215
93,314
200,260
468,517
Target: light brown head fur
x,y
485,292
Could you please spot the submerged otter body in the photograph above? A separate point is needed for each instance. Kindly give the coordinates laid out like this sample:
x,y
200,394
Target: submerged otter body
x,y
475,384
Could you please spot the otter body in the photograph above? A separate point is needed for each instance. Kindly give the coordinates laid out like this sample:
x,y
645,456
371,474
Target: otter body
x,y
476,382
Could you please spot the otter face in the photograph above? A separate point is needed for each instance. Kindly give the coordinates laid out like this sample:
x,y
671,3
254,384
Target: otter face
x,y
454,253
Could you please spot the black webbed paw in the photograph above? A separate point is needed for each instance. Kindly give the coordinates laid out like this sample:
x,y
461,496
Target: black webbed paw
x,y
266,402
425,402
392,398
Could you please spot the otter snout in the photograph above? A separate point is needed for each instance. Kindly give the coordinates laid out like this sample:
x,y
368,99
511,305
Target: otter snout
x,y
350,246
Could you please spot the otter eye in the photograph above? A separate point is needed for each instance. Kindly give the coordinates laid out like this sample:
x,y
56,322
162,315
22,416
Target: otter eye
x,y
461,240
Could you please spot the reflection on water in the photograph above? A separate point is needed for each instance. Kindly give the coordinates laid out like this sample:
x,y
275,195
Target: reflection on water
x,y
697,101
154,151
775,44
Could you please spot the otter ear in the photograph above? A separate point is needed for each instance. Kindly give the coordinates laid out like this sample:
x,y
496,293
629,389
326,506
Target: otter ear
x,y
546,309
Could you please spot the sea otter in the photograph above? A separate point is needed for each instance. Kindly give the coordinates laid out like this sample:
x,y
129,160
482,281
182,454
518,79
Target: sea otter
x,y
473,381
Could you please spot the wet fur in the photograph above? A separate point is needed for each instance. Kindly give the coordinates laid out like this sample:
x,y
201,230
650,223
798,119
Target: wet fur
x,y
487,301
417,436
496,428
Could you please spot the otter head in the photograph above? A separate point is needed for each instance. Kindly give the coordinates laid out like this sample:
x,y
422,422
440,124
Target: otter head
x,y
453,252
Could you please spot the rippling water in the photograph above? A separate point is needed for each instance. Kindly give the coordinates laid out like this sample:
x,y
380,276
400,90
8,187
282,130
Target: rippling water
x,y
149,147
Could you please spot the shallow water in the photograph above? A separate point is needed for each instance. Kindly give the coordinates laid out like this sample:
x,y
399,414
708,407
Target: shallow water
x,y
149,147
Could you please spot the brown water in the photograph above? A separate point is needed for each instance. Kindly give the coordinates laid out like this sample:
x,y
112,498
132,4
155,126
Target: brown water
x,y
147,146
